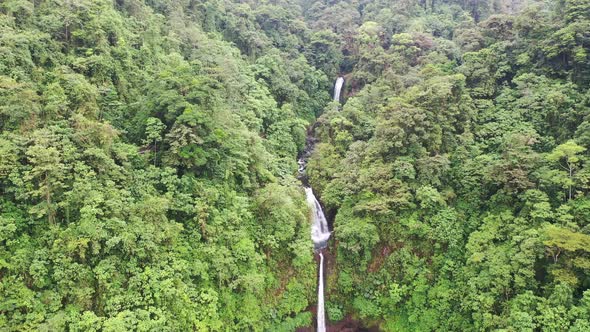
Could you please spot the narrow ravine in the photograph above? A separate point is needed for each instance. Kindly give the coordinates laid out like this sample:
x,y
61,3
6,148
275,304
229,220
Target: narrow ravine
x,y
320,232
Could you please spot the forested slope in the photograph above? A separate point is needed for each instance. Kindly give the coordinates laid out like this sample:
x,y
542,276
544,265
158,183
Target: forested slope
x,y
458,165
147,166
148,159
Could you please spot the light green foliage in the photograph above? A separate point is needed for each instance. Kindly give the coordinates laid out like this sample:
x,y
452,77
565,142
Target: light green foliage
x,y
147,169
153,133
334,312
567,157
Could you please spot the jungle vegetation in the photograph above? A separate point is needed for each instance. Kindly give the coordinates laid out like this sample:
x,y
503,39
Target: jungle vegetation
x,y
148,166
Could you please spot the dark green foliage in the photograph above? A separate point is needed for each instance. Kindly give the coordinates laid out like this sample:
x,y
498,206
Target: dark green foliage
x,y
458,165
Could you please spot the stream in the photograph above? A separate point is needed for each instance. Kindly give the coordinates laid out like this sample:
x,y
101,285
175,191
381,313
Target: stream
x,y
320,232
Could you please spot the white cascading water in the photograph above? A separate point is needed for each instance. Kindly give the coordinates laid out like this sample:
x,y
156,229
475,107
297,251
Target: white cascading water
x,y
338,88
320,233
321,318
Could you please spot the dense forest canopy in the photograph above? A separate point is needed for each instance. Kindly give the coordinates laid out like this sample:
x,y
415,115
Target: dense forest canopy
x,y
148,164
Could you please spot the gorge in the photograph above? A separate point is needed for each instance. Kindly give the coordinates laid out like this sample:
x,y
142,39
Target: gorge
x,y
320,232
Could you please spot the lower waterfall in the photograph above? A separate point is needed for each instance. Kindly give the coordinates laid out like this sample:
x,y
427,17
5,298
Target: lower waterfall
x,y
321,315
320,233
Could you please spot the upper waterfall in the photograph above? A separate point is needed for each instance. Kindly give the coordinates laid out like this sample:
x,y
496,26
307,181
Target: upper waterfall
x,y
338,88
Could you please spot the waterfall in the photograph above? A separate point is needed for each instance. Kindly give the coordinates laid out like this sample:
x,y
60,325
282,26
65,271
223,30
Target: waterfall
x,y
321,318
320,233
338,88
